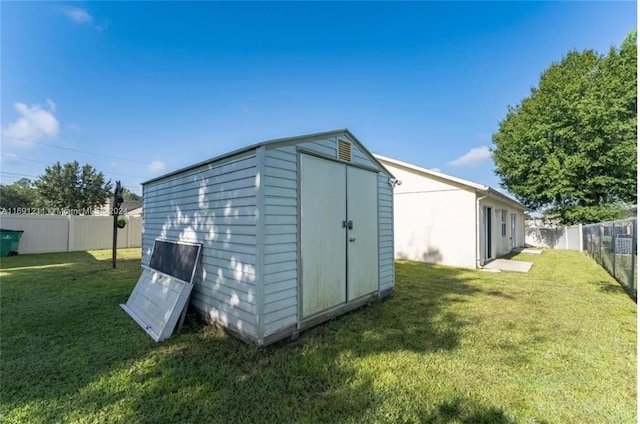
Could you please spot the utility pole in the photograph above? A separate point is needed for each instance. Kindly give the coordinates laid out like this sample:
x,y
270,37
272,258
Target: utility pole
x,y
117,201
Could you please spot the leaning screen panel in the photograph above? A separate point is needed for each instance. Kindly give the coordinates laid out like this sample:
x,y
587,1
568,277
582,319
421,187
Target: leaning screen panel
x,y
175,259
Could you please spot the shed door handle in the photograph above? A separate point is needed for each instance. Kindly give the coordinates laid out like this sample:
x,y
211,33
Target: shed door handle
x,y
352,239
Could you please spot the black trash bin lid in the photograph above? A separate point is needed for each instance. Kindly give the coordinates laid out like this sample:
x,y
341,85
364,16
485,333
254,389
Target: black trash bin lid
x,y
11,231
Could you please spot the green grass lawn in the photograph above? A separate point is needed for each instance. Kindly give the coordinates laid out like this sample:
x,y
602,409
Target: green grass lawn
x,y
556,345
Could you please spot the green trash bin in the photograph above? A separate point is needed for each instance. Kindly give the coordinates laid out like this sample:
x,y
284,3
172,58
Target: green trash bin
x,y
9,242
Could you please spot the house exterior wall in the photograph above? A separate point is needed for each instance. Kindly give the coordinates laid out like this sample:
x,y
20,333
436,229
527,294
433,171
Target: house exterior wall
x,y
216,205
500,244
281,260
434,219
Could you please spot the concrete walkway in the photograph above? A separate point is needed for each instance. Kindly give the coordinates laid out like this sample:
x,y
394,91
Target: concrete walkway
x,y
529,251
508,265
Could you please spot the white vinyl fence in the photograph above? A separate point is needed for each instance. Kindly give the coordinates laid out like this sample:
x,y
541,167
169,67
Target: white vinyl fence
x,y
69,233
564,238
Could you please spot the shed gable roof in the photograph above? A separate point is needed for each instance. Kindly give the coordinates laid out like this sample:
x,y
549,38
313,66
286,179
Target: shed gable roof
x,y
283,142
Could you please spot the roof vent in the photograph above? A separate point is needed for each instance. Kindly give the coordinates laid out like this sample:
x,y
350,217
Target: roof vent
x,y
344,150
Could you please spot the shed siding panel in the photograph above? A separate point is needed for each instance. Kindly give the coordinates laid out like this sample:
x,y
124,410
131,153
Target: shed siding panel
x,y
202,200
278,163
385,233
215,205
281,315
288,321
328,147
240,168
325,147
280,201
281,238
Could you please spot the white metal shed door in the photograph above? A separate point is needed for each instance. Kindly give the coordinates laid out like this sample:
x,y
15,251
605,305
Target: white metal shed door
x,y
362,211
156,302
323,209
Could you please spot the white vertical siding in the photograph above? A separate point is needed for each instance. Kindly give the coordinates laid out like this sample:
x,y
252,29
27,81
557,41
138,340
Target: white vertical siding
x,y
58,233
215,205
94,232
42,233
134,230
385,233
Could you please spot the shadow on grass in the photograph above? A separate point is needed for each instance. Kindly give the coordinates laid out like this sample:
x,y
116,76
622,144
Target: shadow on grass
x,y
207,376
61,324
467,412
609,287
70,353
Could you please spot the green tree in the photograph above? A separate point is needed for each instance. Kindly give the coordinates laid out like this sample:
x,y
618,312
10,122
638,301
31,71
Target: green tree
x,y
569,149
19,195
72,186
128,194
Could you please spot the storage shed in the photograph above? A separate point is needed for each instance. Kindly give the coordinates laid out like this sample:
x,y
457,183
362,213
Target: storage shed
x,y
294,231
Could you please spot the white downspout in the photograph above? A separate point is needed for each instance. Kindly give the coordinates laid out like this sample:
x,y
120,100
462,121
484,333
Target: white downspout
x,y
478,199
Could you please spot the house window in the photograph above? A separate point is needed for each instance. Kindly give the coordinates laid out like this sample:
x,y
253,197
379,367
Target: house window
x,y
503,223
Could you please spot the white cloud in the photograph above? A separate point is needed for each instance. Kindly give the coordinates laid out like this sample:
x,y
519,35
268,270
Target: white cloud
x,y
35,122
10,158
157,166
80,16
473,157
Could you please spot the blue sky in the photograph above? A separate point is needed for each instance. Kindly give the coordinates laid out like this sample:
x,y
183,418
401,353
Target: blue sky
x,y
147,88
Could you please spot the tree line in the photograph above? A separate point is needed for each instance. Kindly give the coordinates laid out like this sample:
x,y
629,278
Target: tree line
x,y
61,187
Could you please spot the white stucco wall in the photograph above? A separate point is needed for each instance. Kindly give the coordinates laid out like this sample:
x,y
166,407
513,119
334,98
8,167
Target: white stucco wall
x,y
500,244
434,220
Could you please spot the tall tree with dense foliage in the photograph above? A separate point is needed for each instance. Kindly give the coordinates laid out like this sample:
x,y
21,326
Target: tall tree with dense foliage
x,y
570,148
21,195
130,195
71,186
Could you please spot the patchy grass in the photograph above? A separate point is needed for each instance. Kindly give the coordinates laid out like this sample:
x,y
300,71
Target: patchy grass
x,y
452,346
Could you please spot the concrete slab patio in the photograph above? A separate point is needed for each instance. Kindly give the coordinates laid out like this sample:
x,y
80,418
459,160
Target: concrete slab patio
x,y
529,251
508,265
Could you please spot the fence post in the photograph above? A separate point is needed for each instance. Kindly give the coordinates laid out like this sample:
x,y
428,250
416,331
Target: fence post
x,y
581,237
634,241
600,233
613,246
69,229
